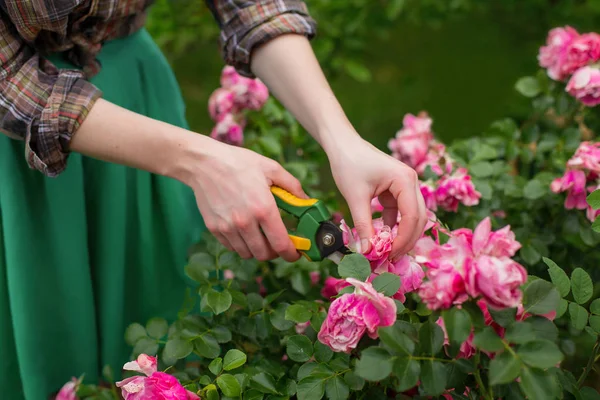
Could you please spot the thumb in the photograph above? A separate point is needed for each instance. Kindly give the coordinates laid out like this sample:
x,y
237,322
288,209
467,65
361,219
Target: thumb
x,y
282,178
363,221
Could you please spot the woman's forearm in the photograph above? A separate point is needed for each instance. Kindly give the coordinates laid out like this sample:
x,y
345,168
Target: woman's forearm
x,y
113,134
288,66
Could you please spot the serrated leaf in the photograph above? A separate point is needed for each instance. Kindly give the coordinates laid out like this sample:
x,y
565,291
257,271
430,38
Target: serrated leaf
x,y
431,338
297,313
299,348
229,385
157,327
540,297
207,346
354,382
408,372
323,353
595,323
540,354
593,199
216,366
134,332
336,389
311,388
596,225
528,86
581,285
375,364
433,377
355,266
488,340
504,368
538,384
562,308
264,382
534,190
178,348
396,340
458,325
519,333
595,307
387,283
219,302
559,277
233,359
579,316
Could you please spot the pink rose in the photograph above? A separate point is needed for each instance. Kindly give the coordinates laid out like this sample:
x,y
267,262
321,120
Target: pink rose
x,y
381,244
467,348
351,315
315,277
497,280
428,192
584,50
220,104
248,93
587,157
553,55
332,287
228,274
230,77
573,182
301,328
444,288
412,142
229,130
437,159
456,188
411,276
69,390
584,85
591,214
376,206
500,243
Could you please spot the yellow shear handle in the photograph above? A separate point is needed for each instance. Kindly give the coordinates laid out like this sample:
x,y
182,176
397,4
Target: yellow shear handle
x,y
295,206
290,199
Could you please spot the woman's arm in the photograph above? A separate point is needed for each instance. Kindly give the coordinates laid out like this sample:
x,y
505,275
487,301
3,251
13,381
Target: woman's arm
x,y
288,66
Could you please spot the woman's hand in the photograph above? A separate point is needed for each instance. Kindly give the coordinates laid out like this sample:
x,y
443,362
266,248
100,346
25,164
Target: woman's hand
x,y
232,187
362,172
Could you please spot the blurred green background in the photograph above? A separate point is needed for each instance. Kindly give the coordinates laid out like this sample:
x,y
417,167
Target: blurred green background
x,y
456,59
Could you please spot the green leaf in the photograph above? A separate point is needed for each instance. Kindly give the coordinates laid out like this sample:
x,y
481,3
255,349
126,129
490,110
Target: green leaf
x,y
387,283
407,371
394,8
233,359
537,384
595,323
504,368
582,286
540,297
375,364
559,277
562,308
593,199
145,345
219,302
540,354
355,382
433,377
596,225
229,385
458,325
543,328
589,393
108,374
355,266
287,387
519,333
488,340
431,338
134,332
207,346
178,348
396,340
255,302
481,169
297,313
222,334
253,395
579,316
336,389
595,307
534,190
197,272
299,348
311,388
212,394
322,352
270,145
530,255
503,317
216,366
264,382
528,86
278,318
357,71
157,327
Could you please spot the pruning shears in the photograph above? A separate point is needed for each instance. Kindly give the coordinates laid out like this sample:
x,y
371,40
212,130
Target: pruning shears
x,y
316,237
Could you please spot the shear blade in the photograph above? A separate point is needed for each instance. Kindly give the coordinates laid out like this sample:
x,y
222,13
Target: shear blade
x,y
336,257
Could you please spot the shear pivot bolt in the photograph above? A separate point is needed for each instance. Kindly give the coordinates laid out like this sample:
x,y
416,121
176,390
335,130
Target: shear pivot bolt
x,y
328,239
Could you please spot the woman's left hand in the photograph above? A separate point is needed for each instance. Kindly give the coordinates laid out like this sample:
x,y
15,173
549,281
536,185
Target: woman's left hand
x,y
363,172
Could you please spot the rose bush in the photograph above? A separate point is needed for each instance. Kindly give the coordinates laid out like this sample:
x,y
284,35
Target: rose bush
x,y
497,300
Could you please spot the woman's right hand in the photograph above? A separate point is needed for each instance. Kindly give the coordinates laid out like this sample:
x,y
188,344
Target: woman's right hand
x,y
232,188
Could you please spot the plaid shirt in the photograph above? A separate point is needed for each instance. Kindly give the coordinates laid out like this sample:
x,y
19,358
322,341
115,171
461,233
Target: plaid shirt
x,y
44,106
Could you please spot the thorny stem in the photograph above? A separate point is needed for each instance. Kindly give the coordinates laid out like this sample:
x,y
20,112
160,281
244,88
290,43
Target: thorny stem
x,y
590,363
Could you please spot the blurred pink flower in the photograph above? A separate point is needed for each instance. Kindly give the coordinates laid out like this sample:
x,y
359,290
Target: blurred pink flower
x,y
249,94
301,328
587,157
583,50
351,315
456,188
228,274
497,280
584,85
467,348
428,192
553,55
411,276
500,243
332,287
440,162
229,130
573,182
315,277
69,390
376,206
411,143
230,77
444,288
381,244
220,104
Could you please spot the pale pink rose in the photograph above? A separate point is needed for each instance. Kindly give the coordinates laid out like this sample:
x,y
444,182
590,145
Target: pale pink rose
x,y
584,50
500,243
443,288
467,348
376,206
553,55
315,277
381,244
411,143
428,192
584,85
351,315
135,388
301,328
587,157
456,188
228,274
69,390
497,280
249,94
440,162
144,364
220,104
332,287
411,276
591,214
229,130
432,222
230,77
573,182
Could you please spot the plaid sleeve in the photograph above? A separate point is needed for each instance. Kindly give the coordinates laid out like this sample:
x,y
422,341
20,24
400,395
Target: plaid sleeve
x,y
39,103
248,24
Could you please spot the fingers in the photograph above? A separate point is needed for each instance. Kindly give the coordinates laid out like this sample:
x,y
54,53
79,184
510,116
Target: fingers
x,y
360,208
412,215
282,178
276,234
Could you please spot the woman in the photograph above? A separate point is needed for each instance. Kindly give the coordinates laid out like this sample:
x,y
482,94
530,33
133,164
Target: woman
x,y
87,249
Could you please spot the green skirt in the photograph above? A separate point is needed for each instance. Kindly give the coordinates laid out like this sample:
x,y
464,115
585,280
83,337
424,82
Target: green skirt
x,y
85,254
